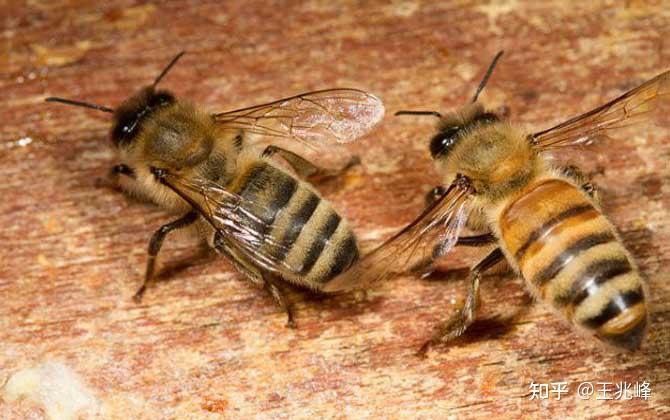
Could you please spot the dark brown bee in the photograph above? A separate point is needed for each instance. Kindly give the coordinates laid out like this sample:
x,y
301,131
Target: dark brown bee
x,y
270,224
545,219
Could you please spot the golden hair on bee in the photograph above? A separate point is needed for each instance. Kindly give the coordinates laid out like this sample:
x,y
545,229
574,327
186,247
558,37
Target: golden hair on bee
x,y
543,219
271,224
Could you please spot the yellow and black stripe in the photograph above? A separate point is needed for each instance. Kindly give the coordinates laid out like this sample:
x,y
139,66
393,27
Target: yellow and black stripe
x,y
570,256
313,237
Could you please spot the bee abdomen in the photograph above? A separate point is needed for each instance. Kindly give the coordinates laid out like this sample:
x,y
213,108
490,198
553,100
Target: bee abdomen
x,y
306,231
571,257
325,247
269,189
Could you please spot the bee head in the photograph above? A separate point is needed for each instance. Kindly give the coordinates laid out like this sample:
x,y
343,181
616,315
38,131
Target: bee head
x,y
452,128
130,115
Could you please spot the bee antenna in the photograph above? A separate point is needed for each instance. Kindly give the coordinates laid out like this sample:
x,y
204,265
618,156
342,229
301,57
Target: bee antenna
x,y
433,113
168,67
482,84
79,103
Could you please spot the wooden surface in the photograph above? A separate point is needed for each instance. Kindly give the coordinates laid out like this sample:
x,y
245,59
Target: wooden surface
x,y
205,343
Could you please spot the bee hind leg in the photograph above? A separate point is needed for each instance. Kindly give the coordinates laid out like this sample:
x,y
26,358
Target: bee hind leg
x,y
155,245
465,315
280,298
425,267
306,169
268,281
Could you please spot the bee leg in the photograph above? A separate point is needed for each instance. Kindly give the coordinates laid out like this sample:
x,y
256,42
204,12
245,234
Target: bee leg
x,y
155,245
576,174
306,169
112,179
122,169
476,240
425,267
255,276
244,267
592,191
434,194
464,316
280,298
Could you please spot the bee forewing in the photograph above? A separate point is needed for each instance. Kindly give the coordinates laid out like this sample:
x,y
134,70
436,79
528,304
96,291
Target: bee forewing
x,y
433,234
314,118
234,218
635,106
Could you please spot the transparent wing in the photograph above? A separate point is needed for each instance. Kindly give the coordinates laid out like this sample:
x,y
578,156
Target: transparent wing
x,y
433,234
628,109
234,219
314,118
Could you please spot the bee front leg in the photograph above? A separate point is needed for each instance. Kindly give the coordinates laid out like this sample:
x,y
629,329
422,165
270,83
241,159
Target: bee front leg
x,y
465,315
122,169
112,179
155,245
433,195
306,169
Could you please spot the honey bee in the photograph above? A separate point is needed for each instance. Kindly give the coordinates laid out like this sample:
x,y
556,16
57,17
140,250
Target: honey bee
x,y
545,220
271,225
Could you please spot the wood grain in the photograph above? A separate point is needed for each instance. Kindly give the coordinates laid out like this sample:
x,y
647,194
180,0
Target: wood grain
x,y
204,343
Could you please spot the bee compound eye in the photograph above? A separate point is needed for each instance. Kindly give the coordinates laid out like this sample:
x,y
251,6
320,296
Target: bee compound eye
x,y
444,141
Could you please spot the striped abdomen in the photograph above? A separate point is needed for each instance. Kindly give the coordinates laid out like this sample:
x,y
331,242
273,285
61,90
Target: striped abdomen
x,y
313,237
570,255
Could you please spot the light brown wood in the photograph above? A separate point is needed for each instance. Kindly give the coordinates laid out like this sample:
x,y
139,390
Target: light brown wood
x,y
205,343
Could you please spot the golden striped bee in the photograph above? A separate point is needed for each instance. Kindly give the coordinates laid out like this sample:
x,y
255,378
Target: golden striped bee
x,y
271,225
545,219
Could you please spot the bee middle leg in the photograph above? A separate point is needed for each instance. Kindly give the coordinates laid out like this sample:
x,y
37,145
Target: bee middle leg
x,y
424,267
155,245
306,169
465,315
476,240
